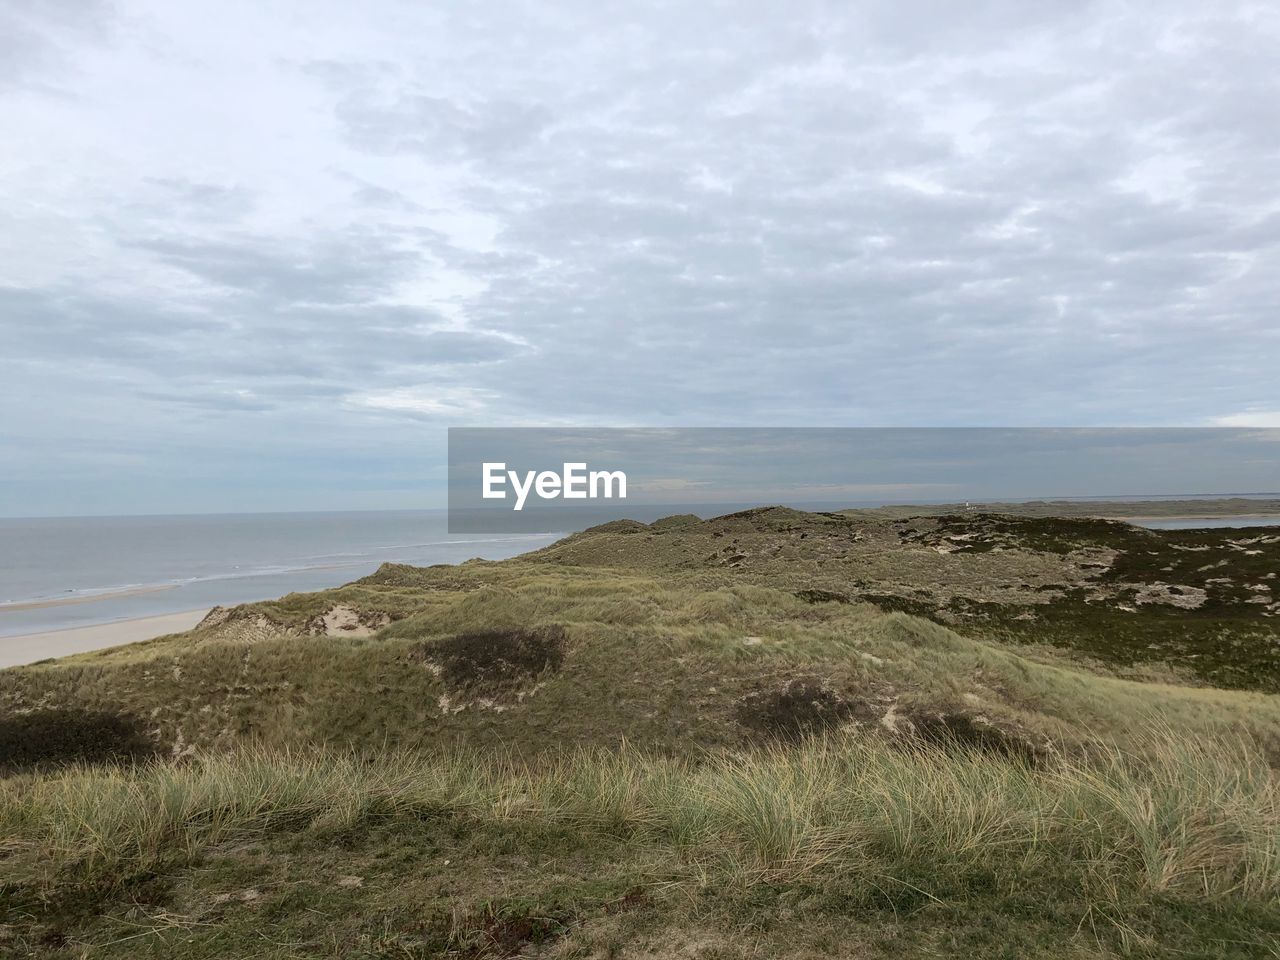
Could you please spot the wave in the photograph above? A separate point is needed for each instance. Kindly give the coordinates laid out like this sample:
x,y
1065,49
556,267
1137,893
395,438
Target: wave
x,y
326,561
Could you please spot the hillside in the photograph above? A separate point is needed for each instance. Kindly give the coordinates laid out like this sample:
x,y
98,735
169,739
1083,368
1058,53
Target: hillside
x,y
840,729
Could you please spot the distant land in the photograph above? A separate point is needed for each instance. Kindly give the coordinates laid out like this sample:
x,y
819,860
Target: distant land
x,y
1188,509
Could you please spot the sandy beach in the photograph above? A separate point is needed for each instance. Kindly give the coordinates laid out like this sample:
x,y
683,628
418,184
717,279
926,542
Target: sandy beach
x,y
30,647
83,598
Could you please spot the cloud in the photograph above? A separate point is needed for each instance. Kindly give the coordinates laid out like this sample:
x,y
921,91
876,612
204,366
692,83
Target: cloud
x,y
430,400
247,231
1249,418
35,37
340,271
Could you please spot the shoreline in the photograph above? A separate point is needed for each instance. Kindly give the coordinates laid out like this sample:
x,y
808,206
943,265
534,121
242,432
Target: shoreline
x,y
30,648
1196,516
120,594
26,648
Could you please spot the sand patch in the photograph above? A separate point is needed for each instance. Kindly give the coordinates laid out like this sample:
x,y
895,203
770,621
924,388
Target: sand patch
x,y
1174,595
344,621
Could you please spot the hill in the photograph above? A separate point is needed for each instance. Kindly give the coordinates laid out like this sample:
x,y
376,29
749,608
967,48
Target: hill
x,y
842,731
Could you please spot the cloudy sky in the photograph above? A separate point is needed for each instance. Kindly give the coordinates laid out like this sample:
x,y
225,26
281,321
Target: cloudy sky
x,y
258,255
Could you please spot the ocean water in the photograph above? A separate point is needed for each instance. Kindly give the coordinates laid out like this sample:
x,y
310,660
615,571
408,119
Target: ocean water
x,y
1208,523
65,572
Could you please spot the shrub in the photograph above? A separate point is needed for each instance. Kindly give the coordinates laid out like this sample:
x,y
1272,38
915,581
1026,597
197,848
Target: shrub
x,y
801,707
496,658
53,737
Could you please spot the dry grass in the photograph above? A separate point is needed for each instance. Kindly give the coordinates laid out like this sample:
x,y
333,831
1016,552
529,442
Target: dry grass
x,y
1140,812
703,651
1179,818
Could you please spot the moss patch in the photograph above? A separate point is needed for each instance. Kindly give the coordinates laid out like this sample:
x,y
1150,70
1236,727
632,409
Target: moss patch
x,y
52,737
492,660
801,707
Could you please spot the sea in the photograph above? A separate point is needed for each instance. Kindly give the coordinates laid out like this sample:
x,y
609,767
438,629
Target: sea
x,y
1206,523
63,572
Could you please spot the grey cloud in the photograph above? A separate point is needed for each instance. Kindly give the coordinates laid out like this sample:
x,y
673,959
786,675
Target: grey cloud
x,y
172,198
444,129
714,213
371,195
341,270
202,398
37,38
286,351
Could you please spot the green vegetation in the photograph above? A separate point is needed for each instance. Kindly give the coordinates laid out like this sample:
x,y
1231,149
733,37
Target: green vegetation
x,y
1198,605
768,734
796,848
47,738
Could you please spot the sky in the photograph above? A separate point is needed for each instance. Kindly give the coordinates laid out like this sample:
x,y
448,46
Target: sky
x,y
260,255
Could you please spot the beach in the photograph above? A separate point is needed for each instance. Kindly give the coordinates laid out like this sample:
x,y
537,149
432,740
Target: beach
x,y
31,647
63,573
54,603
45,603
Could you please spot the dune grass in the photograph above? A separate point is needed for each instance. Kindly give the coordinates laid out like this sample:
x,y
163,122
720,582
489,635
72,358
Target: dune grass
x,y
453,785
1176,820
705,645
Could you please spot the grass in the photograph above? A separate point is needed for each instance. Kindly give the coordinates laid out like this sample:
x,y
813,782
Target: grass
x,y
1181,826
771,734
1082,584
707,647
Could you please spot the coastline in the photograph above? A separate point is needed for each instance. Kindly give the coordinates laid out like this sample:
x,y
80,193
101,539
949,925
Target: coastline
x,y
1129,518
136,624
120,594
32,647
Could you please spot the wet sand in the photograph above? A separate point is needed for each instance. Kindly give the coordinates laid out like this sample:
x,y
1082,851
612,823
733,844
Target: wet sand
x,y
30,647
83,598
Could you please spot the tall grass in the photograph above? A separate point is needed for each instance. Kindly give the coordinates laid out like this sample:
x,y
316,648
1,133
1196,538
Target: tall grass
x,y
1177,817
